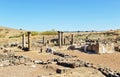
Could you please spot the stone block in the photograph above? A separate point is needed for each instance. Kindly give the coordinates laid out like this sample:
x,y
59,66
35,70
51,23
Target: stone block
x,y
62,70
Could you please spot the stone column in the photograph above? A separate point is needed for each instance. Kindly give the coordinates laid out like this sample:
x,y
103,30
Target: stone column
x,y
23,41
59,38
43,40
29,41
97,48
64,41
62,38
72,39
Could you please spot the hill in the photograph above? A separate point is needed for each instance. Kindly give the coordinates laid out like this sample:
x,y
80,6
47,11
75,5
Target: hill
x,y
9,32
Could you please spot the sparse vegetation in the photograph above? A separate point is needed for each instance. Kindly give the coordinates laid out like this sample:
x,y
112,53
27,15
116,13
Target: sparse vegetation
x,y
51,32
16,36
33,33
7,32
1,30
15,55
2,35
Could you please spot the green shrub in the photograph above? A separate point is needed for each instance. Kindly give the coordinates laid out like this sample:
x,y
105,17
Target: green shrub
x,y
16,36
52,32
33,33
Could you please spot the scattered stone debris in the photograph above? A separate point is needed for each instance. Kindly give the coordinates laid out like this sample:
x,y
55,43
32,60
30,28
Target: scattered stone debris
x,y
106,71
72,47
49,50
13,44
74,64
56,59
62,55
41,62
38,62
8,58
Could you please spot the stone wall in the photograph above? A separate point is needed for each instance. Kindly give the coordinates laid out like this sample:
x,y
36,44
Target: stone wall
x,y
106,48
101,48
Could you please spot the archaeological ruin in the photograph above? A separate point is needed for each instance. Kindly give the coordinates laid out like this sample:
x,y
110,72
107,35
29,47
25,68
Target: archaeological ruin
x,y
62,53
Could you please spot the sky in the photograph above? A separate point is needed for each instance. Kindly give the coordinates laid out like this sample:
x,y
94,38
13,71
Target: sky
x,y
64,15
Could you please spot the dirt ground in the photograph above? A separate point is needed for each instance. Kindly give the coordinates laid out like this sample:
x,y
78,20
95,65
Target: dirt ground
x,y
111,60
108,60
27,71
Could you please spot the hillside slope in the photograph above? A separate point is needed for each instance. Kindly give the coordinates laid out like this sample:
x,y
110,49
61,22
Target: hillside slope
x,y
9,32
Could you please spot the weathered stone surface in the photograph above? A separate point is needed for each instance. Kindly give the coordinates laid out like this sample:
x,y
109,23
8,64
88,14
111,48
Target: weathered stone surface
x,y
38,62
72,47
66,64
5,63
106,71
63,70
100,48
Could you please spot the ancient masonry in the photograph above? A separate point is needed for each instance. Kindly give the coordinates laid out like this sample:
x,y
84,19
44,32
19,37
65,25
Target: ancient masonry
x,y
43,40
61,39
80,63
72,38
101,48
29,41
23,40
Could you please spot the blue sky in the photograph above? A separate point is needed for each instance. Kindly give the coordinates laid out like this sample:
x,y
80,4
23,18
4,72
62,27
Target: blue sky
x,y
65,15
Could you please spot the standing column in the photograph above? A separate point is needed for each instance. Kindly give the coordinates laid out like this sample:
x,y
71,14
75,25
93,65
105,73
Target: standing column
x,y
43,40
59,38
23,41
72,39
29,41
62,38
64,41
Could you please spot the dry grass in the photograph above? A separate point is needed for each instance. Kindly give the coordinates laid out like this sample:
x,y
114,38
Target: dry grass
x,y
109,60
